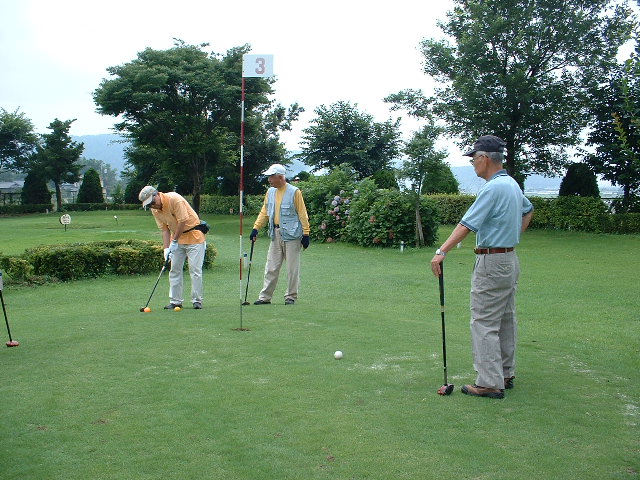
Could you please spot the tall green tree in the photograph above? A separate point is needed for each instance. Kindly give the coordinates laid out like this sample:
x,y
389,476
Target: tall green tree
x,y
425,167
17,139
579,181
520,69
616,131
57,157
91,188
35,190
342,134
180,108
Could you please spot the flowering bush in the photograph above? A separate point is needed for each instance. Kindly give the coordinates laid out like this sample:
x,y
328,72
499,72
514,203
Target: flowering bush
x,y
341,209
387,217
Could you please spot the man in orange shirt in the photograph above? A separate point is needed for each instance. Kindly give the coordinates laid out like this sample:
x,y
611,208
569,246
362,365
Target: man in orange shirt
x,y
181,240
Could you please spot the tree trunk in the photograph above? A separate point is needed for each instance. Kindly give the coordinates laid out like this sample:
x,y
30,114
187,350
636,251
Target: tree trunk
x,y
58,195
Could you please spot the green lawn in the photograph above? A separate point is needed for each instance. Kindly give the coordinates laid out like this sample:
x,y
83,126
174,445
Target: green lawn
x,y
98,390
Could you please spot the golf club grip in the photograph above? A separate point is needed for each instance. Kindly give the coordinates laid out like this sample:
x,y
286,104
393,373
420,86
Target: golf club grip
x,y
441,283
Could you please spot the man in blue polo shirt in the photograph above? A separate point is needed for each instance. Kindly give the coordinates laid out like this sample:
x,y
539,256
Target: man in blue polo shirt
x,y
498,216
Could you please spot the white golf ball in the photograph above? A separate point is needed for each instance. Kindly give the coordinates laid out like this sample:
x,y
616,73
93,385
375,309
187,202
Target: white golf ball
x,y
338,355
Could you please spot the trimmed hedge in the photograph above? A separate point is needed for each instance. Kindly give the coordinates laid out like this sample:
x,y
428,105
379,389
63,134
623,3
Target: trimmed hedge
x,y
87,260
25,208
89,207
585,214
450,208
229,205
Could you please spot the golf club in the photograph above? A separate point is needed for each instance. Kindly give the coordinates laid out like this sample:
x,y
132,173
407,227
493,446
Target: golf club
x,y
164,267
11,342
447,388
246,290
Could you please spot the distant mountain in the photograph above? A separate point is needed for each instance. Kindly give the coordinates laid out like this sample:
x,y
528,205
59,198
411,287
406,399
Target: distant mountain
x,y
534,185
110,149
107,147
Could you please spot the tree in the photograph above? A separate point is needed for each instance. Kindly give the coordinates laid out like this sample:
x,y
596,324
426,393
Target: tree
x,y
342,134
520,69
57,157
616,131
90,189
17,140
180,108
35,190
425,167
580,181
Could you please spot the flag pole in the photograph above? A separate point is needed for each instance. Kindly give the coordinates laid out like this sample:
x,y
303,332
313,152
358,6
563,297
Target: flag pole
x,y
241,210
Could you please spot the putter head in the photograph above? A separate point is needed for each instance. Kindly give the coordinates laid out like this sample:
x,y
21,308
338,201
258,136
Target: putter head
x,y
245,303
13,343
446,389
142,309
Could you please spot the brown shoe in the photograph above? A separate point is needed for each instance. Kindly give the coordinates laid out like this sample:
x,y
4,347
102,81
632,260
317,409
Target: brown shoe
x,y
477,391
508,382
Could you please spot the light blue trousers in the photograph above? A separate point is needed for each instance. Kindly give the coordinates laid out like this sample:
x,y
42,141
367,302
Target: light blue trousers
x,y
195,255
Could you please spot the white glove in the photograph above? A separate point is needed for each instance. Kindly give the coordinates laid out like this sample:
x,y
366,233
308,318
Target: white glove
x,y
173,247
166,253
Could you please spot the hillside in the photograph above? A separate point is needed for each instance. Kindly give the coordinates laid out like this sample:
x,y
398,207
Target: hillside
x,y
107,147
110,149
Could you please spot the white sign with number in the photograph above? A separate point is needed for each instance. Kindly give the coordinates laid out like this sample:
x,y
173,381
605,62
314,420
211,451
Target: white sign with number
x,y
65,219
257,66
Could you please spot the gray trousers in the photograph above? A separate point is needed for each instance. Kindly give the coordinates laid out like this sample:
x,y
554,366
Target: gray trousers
x,y
195,254
279,252
494,326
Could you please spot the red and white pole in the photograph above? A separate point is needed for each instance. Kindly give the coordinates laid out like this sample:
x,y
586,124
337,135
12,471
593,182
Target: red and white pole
x,y
241,210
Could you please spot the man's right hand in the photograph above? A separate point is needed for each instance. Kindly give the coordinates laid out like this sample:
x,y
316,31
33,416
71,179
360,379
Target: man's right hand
x,y
166,253
254,234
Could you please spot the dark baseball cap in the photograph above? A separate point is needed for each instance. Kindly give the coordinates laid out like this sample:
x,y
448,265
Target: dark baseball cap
x,y
487,143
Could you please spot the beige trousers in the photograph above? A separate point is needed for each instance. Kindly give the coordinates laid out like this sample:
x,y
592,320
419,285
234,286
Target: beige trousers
x,y
279,252
494,326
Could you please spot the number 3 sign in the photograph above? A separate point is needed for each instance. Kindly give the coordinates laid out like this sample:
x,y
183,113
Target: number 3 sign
x,y
257,66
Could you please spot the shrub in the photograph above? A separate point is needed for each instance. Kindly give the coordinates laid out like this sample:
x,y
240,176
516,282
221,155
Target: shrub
x,y
569,213
387,217
451,208
579,180
35,190
17,268
22,209
90,189
86,260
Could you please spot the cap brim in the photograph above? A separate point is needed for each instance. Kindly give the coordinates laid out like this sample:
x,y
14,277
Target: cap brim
x,y
470,153
147,201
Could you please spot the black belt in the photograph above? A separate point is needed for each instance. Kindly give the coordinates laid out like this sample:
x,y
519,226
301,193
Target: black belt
x,y
485,251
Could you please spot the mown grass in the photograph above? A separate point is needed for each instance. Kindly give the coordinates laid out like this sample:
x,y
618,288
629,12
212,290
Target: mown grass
x,y
98,390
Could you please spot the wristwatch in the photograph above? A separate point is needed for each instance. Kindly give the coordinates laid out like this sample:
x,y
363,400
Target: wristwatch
x,y
440,252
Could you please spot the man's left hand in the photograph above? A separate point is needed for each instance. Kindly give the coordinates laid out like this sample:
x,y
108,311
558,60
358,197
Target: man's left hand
x,y
305,241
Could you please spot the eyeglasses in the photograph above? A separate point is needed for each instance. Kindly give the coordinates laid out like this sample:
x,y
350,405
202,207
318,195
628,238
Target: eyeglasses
x,y
473,159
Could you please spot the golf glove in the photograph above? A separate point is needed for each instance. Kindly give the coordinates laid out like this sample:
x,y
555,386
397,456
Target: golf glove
x,y
305,241
166,253
173,247
254,234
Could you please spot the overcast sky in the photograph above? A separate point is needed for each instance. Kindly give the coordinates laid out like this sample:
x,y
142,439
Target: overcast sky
x,y
54,54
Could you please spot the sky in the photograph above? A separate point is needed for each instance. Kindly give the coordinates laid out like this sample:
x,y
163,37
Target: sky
x,y
53,55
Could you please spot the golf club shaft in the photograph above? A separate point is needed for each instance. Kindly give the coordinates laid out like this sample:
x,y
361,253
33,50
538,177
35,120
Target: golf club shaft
x,y
164,267
444,341
6,320
246,290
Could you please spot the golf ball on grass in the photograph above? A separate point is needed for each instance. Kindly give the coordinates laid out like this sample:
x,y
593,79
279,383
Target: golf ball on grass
x,y
338,355
177,309
146,310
